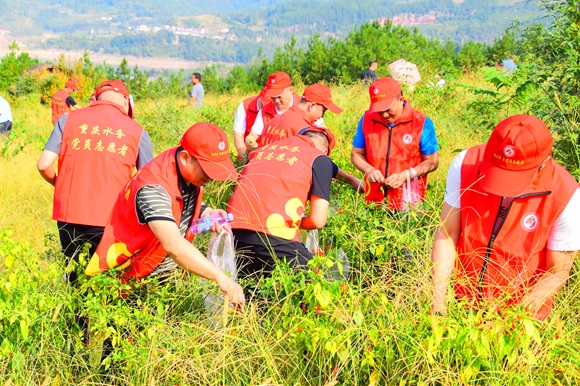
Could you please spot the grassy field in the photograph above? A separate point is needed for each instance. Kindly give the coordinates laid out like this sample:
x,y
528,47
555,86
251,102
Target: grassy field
x,y
371,330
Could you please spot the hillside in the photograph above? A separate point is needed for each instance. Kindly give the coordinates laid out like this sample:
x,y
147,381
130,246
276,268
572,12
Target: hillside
x,y
235,31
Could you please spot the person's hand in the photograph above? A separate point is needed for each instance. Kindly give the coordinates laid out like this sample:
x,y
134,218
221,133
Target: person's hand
x,y
251,143
231,289
375,175
395,180
215,227
242,154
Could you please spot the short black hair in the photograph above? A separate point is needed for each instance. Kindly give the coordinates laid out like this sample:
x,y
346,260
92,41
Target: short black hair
x,y
372,62
197,76
316,134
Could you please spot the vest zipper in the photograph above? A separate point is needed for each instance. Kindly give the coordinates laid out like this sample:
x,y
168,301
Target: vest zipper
x,y
390,126
497,225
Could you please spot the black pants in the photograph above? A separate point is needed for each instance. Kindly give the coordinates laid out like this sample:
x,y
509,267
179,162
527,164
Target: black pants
x,y
256,253
5,127
73,238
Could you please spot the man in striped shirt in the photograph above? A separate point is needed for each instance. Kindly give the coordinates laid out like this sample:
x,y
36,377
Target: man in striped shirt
x,y
147,232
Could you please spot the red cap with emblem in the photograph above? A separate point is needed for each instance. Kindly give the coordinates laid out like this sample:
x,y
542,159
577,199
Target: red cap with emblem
x,y
516,149
209,145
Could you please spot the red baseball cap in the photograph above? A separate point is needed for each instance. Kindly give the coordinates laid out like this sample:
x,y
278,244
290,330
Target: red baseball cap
x,y
117,86
319,93
277,83
327,133
209,145
514,152
71,83
383,93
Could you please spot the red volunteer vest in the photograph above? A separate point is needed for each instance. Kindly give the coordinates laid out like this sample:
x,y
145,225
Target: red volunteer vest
x,y
517,256
98,155
273,203
269,111
58,105
283,126
128,243
251,107
392,150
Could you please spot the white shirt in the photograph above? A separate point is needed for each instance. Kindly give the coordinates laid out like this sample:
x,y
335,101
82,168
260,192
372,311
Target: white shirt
x,y
5,112
240,119
564,235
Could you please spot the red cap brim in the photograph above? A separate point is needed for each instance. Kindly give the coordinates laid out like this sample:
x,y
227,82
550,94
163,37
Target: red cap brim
x,y
505,183
219,171
381,105
332,107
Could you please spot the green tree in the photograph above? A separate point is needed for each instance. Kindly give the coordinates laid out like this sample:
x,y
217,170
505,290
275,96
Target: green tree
x,y
471,56
13,64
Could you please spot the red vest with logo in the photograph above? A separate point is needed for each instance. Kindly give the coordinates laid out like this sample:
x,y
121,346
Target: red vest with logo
x,y
58,105
516,256
392,150
98,155
269,111
273,188
128,243
251,108
283,126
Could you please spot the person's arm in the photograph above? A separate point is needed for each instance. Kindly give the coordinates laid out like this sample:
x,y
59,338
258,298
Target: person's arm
x,y
257,128
45,166
358,158
318,214
443,256
352,180
430,163
49,155
72,104
240,131
145,151
558,266
240,145
190,258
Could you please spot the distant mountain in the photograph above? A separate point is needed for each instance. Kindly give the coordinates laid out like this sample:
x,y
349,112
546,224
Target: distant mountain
x,y
236,30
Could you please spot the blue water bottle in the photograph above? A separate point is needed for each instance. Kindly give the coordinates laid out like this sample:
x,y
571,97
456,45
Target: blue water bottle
x,y
204,223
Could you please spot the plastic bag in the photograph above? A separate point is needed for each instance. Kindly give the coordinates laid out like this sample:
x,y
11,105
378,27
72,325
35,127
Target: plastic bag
x,y
411,193
221,252
341,268
310,241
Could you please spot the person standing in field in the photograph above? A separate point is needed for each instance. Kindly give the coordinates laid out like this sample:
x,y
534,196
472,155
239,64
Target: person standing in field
x,y
370,75
62,101
510,222
98,149
271,197
280,92
395,146
5,117
246,114
197,92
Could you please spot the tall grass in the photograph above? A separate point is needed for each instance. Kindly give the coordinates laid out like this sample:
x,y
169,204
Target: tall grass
x,y
373,329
